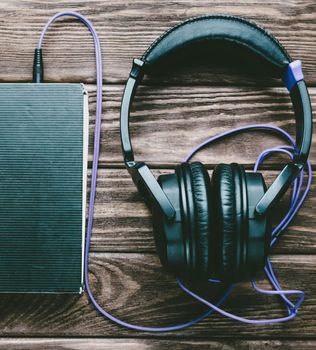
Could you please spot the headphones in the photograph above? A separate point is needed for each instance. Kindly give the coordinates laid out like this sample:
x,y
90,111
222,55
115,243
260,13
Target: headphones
x,y
220,227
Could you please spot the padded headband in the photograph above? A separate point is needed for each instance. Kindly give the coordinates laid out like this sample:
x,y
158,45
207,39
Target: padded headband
x,y
219,27
244,34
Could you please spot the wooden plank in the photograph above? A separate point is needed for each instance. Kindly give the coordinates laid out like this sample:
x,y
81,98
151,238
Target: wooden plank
x,y
167,122
135,288
151,344
122,222
133,285
126,30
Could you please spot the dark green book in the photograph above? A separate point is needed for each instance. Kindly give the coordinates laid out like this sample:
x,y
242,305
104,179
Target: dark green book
x,y
43,166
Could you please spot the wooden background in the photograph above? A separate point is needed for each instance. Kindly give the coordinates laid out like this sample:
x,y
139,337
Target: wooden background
x,y
172,114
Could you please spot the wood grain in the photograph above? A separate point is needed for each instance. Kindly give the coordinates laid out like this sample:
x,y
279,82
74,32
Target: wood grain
x,y
135,288
151,344
178,110
126,29
167,122
122,222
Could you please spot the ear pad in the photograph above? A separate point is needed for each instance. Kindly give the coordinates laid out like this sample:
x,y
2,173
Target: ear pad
x,y
183,174
201,186
225,220
183,244
194,185
241,237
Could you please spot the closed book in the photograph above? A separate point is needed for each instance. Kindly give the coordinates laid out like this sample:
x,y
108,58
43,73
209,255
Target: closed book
x,y
43,170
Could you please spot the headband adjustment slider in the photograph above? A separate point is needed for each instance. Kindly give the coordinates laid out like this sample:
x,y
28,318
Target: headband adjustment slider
x,y
137,69
293,74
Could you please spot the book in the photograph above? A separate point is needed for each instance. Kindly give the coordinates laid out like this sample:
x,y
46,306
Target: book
x,y
43,172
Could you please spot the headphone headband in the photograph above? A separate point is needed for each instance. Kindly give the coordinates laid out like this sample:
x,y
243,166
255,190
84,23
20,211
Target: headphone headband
x,y
218,27
244,34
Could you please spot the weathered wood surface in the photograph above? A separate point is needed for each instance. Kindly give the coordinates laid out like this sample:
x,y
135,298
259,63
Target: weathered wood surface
x,y
135,288
126,29
176,112
122,222
151,344
167,122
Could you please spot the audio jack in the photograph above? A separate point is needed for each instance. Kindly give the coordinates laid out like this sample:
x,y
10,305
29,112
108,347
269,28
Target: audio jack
x,y
38,67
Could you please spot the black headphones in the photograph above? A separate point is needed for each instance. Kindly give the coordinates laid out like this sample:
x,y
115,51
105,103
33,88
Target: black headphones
x,y
216,228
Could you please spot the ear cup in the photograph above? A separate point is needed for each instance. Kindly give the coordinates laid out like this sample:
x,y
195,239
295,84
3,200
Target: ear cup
x,y
169,239
183,245
201,186
259,235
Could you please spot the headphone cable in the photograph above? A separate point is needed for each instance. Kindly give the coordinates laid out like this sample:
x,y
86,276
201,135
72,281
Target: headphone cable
x,y
296,200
